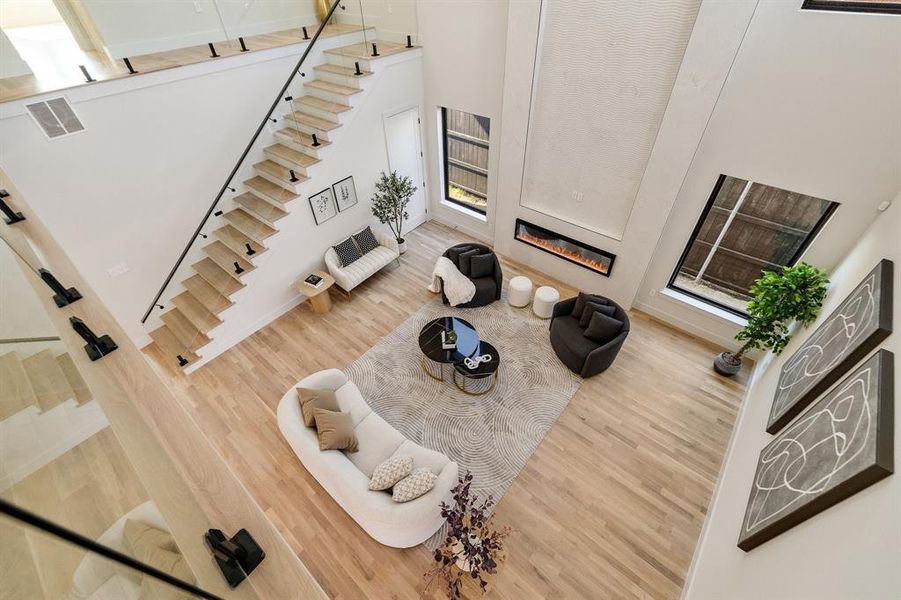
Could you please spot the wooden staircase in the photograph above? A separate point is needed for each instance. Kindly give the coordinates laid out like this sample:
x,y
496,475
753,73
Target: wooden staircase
x,y
240,240
43,379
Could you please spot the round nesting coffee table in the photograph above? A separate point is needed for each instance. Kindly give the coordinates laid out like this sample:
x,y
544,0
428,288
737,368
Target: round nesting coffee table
x,y
432,350
484,371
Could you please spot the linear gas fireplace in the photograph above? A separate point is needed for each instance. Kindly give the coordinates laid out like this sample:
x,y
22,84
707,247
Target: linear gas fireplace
x,y
593,259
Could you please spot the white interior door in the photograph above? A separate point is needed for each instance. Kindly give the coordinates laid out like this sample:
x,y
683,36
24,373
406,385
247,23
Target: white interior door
x,y
402,137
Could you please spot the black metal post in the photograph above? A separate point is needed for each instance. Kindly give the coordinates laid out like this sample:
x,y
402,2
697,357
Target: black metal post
x,y
62,296
357,70
306,36
315,141
409,42
87,75
212,50
238,269
250,250
294,178
96,346
289,98
9,215
243,45
131,69
182,361
218,213
375,50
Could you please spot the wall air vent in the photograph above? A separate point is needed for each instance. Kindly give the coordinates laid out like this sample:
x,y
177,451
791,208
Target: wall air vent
x,y
55,117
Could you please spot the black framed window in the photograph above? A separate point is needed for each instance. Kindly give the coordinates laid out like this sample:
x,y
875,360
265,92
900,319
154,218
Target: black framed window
x,y
864,6
465,142
745,229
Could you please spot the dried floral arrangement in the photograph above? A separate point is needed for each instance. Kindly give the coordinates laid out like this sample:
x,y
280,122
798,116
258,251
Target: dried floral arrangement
x,y
473,547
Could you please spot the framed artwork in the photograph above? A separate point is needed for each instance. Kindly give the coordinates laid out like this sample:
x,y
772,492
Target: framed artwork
x,y
323,206
841,445
852,330
345,193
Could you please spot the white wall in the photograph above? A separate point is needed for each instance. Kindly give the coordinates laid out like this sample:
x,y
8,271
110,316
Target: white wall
x,y
811,105
135,27
24,13
850,550
394,19
464,45
11,64
133,187
21,312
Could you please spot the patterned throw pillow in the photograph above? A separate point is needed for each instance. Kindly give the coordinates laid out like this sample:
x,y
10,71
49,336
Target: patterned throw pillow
x,y
347,252
390,472
418,483
366,240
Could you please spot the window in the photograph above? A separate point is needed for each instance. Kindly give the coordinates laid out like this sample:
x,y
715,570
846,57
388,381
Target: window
x,y
868,6
465,158
745,229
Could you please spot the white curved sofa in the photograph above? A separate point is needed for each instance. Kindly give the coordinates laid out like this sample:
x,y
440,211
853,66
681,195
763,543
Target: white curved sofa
x,y
345,476
362,269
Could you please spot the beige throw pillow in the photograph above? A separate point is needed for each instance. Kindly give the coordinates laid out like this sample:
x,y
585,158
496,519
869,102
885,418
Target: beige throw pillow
x,y
310,399
418,483
335,430
390,472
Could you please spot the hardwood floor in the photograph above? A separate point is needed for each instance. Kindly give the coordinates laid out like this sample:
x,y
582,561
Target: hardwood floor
x,y
610,505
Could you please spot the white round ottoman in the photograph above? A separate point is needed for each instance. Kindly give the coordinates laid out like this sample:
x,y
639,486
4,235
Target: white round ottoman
x,y
545,299
520,292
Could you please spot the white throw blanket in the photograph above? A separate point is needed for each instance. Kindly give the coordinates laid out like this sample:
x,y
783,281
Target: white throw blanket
x,y
457,286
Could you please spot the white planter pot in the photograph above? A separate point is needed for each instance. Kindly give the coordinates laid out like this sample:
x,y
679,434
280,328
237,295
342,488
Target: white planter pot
x,y
402,246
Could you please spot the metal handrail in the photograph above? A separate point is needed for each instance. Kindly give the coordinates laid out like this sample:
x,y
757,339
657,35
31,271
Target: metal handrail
x,y
240,162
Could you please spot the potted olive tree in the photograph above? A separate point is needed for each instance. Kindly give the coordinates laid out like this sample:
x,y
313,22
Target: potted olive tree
x,y
778,298
389,204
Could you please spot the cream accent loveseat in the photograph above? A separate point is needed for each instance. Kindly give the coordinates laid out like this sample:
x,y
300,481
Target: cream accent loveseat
x,y
345,476
362,269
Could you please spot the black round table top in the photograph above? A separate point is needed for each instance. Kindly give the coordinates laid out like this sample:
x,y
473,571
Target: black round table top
x,y
430,339
484,369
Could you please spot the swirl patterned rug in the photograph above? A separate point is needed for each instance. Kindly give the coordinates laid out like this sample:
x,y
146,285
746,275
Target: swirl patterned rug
x,y
492,435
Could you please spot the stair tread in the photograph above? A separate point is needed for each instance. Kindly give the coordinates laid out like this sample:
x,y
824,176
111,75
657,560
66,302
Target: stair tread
x,y
270,189
206,294
47,379
170,345
260,208
348,72
235,239
225,257
249,225
363,50
76,382
198,314
312,121
182,328
15,392
298,137
282,173
217,277
320,104
335,88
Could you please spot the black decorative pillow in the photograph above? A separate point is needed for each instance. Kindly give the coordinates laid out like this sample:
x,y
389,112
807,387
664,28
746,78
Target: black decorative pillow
x,y
366,240
481,265
465,259
454,253
593,307
347,252
602,328
581,299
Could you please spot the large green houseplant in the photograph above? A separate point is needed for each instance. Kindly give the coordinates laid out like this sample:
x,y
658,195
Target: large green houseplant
x,y
778,298
389,204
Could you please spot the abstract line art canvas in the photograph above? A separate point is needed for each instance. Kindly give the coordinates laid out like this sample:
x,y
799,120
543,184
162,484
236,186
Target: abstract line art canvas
x,y
853,329
839,446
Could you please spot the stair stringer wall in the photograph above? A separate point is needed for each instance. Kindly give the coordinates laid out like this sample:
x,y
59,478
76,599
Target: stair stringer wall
x,y
359,150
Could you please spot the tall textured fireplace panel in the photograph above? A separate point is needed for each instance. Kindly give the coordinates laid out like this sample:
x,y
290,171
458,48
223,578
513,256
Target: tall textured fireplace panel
x,y
561,246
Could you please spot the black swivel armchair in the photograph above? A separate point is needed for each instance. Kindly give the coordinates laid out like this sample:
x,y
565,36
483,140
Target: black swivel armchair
x,y
488,287
582,355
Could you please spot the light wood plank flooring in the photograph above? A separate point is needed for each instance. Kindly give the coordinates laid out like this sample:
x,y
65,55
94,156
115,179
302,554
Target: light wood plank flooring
x,y
610,505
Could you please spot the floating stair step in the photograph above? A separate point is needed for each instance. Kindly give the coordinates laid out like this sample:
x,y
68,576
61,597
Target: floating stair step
x,y
311,124
47,379
226,258
170,345
15,389
198,314
206,294
362,51
259,208
234,239
320,104
182,328
299,139
272,170
290,158
249,225
271,190
76,382
348,74
328,90
224,283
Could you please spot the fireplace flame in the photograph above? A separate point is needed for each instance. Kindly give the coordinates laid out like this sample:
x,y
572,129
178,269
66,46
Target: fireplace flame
x,y
555,248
